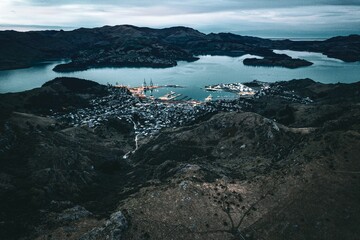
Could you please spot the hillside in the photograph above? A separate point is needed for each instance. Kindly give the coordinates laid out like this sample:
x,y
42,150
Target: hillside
x,y
284,166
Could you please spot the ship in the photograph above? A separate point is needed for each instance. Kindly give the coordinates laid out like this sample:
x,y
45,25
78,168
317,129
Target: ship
x,y
208,98
213,88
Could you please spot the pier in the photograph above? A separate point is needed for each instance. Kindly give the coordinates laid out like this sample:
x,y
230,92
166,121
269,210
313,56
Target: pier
x,y
170,96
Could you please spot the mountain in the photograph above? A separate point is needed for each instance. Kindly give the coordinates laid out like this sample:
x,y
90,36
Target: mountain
x,y
131,46
284,165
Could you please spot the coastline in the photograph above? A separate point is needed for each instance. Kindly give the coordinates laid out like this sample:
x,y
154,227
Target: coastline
x,y
136,49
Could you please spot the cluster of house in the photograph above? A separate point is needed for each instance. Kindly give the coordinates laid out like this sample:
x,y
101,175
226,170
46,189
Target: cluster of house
x,y
118,100
147,115
226,105
277,89
238,88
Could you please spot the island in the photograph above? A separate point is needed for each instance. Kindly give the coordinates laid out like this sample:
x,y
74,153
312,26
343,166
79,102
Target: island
x,y
278,60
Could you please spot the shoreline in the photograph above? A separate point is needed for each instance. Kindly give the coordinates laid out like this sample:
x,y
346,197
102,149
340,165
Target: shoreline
x,y
94,50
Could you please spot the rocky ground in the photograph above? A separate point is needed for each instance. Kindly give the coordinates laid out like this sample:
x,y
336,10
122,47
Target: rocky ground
x,y
284,167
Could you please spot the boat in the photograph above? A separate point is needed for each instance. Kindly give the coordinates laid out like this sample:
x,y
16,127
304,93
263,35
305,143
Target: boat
x,y
208,98
213,88
173,86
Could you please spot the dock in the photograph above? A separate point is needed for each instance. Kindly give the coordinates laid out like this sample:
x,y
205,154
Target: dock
x,y
170,96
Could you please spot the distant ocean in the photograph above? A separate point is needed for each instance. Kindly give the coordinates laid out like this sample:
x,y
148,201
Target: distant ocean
x,y
275,34
300,38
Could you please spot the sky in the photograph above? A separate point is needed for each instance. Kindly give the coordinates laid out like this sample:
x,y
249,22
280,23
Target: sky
x,y
264,18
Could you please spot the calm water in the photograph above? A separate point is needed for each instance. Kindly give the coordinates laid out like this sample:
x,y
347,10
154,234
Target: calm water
x,y
192,76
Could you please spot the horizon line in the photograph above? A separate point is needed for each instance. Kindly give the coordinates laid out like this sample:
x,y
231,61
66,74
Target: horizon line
x,y
259,33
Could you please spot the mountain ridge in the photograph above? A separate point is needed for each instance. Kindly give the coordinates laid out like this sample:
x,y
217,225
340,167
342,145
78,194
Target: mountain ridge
x,y
132,46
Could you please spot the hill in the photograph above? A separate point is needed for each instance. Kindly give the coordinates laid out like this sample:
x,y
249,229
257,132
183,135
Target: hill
x,y
131,46
283,166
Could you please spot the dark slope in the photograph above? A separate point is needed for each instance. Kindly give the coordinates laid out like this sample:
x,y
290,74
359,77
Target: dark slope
x,y
278,182
47,167
130,46
60,94
293,178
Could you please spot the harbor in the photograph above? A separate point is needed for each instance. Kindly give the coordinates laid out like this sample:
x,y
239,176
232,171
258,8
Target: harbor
x,y
145,91
170,92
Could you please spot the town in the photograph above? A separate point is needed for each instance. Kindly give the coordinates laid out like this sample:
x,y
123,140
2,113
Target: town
x,y
149,115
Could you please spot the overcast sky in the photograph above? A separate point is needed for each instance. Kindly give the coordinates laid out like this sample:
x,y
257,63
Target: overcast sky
x,y
268,18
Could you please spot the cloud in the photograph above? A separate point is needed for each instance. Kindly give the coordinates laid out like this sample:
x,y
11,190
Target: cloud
x,y
247,4
210,15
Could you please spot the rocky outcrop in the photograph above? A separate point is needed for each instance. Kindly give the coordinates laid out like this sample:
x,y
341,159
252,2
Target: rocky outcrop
x,y
72,214
112,229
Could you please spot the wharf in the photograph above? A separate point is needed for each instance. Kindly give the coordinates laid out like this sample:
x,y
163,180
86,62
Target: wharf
x,y
170,96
